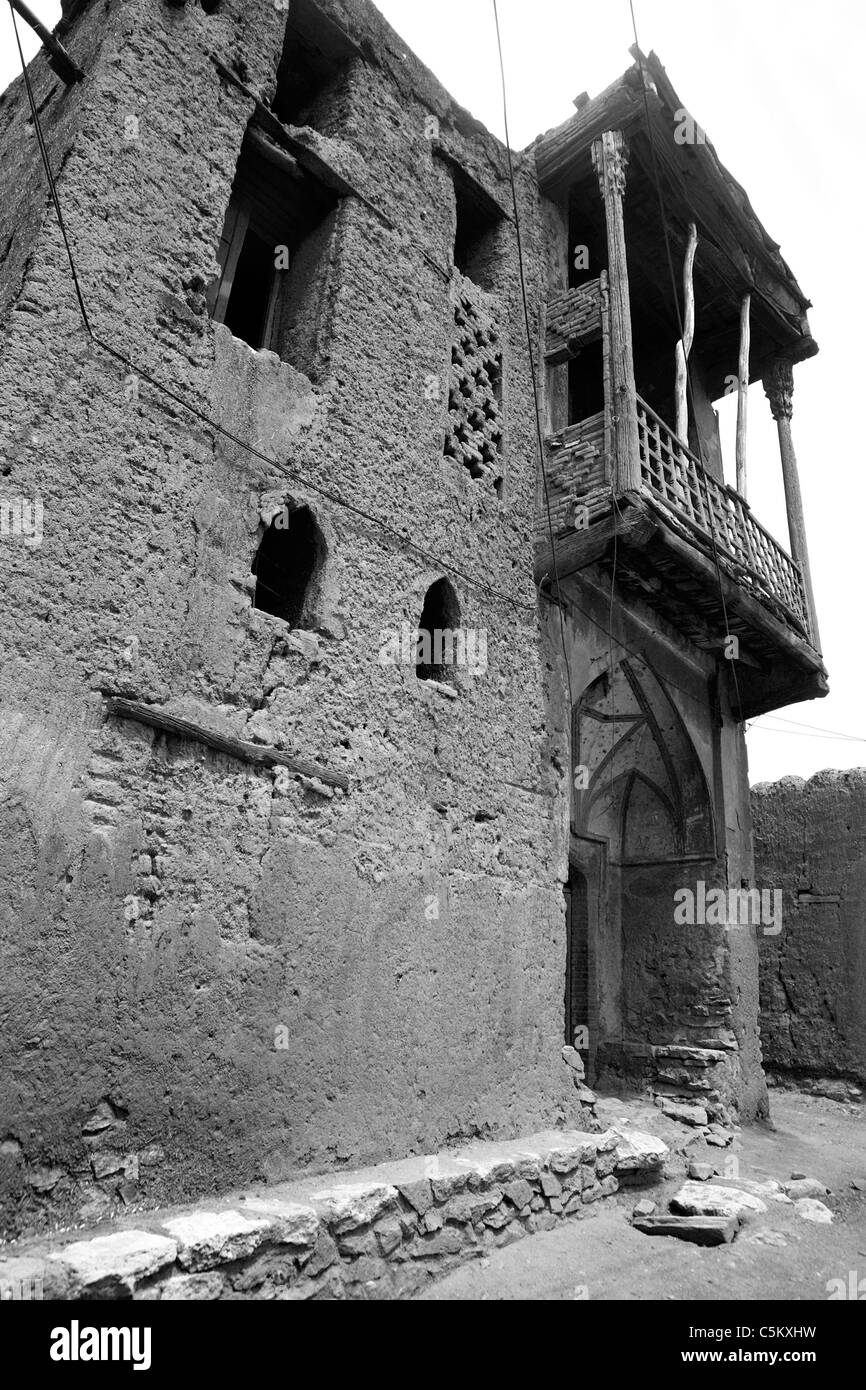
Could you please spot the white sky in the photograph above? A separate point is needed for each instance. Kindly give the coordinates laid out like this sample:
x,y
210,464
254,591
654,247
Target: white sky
x,y
778,86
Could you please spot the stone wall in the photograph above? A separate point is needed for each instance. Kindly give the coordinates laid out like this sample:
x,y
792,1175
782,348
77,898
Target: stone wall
x,y
383,1233
810,841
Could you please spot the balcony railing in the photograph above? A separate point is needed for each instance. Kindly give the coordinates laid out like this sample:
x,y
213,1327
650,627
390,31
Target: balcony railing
x,y
673,474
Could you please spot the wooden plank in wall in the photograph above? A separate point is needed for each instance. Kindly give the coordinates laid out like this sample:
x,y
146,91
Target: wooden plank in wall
x,y
255,753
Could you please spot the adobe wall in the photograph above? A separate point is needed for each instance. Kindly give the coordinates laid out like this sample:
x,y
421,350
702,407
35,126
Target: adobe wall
x,y
810,841
210,974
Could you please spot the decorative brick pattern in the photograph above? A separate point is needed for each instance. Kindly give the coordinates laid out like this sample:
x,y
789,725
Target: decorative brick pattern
x,y
474,435
573,317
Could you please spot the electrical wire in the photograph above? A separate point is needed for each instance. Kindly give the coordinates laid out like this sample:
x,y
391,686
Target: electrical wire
x,y
798,724
531,359
794,733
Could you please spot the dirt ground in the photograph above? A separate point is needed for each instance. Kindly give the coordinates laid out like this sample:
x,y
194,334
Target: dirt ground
x,y
777,1255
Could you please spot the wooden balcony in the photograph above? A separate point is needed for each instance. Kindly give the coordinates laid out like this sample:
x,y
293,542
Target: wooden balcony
x,y
687,545
674,476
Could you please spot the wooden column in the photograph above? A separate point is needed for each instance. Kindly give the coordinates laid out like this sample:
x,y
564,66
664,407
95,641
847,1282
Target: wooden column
x,y
684,346
743,392
610,159
779,388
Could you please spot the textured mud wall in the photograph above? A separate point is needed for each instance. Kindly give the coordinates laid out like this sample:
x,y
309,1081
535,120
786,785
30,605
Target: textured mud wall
x,y
810,841
212,974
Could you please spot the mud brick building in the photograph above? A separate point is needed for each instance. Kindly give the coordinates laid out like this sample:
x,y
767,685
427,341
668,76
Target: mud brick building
x,y
269,901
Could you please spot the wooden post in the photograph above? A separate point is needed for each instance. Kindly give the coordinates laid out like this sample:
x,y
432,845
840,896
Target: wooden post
x,y
610,159
743,393
684,346
779,388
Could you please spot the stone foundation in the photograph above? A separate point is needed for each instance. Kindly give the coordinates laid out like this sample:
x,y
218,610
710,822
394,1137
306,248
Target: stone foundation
x,y
383,1232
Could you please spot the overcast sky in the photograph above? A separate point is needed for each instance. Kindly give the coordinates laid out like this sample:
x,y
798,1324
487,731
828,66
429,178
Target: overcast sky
x,y
778,86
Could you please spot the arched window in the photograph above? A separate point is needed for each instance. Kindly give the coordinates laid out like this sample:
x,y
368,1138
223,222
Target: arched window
x,y
438,644
289,556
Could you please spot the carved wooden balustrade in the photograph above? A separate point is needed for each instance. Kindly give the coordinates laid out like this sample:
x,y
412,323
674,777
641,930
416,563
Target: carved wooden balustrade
x,y
673,474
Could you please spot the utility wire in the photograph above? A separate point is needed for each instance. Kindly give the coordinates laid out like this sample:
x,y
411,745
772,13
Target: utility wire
x,y
798,724
46,161
799,732
792,733
531,358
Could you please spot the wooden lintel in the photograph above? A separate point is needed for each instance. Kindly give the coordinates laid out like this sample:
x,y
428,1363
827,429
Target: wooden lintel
x,y
291,139
258,754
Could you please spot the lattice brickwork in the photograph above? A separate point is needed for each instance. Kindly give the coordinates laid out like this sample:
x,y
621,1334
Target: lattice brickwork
x,y
474,434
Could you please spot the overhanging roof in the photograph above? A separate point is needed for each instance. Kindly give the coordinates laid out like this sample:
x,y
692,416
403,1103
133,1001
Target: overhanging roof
x,y
696,186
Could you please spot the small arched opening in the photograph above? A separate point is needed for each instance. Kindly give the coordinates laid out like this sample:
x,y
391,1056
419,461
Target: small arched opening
x,y
438,643
289,557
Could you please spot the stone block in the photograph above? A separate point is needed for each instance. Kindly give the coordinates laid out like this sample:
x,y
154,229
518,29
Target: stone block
x,y
113,1265
712,1199
292,1222
470,1206
550,1184
389,1234
206,1239
449,1241
360,1242
419,1195
519,1192
350,1205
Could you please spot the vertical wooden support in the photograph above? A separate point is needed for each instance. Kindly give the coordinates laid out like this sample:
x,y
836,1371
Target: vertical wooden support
x,y
684,346
743,393
610,159
779,388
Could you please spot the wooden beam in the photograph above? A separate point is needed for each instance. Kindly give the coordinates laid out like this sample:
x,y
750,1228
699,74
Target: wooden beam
x,y
610,160
743,393
684,346
269,150
58,59
258,754
557,152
